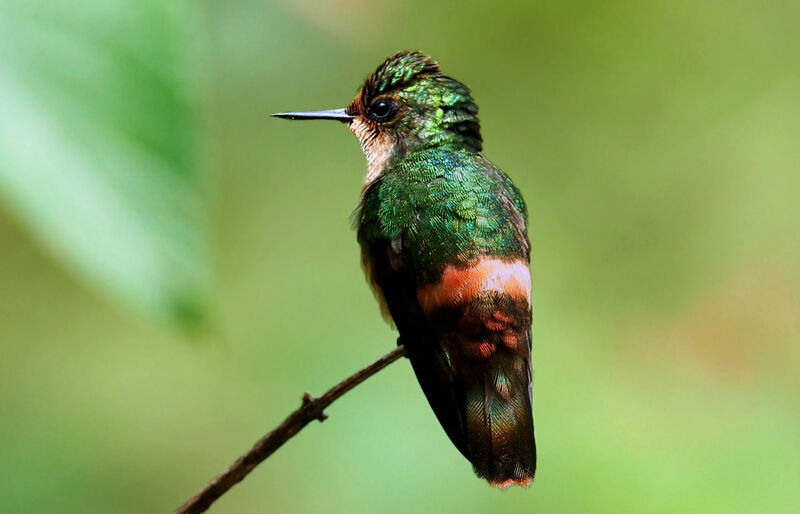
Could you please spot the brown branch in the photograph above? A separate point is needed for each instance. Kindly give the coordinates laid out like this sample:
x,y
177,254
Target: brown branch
x,y
312,408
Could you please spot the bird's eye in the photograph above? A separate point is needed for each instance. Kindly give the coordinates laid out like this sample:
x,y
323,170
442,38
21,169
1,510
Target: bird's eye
x,y
381,110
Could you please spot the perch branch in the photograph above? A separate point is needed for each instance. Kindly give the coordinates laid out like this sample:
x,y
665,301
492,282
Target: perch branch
x,y
312,408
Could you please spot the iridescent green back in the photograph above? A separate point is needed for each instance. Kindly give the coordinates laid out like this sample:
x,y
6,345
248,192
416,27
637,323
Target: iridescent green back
x,y
450,205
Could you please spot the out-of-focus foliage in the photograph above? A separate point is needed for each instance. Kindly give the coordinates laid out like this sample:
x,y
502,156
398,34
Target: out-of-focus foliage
x,y
99,144
656,146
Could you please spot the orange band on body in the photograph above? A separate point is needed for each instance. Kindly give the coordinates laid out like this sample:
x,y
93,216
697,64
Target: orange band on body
x,y
486,275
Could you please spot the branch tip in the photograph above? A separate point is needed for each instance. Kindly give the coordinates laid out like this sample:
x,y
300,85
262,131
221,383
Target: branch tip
x,y
310,409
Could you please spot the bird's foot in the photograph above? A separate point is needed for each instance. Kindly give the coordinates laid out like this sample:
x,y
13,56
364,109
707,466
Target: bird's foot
x,y
400,343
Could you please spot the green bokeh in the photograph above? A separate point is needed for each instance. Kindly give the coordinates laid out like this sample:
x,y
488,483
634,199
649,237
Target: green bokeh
x,y
657,147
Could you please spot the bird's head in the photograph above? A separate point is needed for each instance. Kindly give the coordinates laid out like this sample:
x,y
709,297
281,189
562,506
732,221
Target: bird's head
x,y
406,105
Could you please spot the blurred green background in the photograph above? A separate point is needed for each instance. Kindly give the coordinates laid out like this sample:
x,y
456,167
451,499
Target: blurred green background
x,y
655,143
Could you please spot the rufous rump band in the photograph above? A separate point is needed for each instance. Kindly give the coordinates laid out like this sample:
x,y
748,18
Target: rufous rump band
x,y
486,275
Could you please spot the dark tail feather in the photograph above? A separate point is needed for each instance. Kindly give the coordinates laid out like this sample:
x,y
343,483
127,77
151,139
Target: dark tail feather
x,y
486,411
438,383
499,422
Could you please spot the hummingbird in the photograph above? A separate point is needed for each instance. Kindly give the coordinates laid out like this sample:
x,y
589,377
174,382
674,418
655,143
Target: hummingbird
x,y
444,245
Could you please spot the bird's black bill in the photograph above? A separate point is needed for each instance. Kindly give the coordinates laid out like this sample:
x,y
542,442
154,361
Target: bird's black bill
x,y
333,114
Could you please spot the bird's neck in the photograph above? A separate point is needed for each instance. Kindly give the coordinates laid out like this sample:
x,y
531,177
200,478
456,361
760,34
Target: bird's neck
x,y
383,152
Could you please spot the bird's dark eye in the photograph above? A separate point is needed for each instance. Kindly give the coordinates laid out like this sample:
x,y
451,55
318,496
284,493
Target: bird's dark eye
x,y
381,110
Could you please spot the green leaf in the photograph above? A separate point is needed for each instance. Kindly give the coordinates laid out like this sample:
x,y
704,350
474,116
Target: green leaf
x,y
100,144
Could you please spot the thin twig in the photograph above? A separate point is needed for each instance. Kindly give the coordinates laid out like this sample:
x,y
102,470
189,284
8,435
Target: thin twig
x,y
312,408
